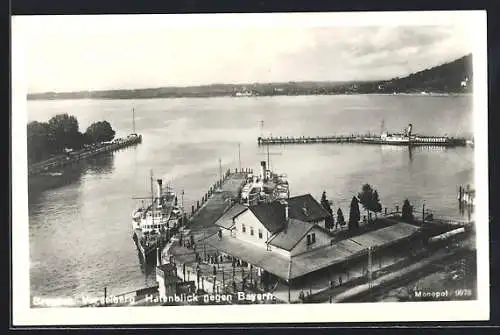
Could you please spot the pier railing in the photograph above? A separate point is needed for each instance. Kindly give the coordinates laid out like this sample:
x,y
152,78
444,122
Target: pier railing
x,y
358,138
214,188
72,157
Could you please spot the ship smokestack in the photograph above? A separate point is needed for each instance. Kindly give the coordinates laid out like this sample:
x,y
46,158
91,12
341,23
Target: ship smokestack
x,y
263,170
284,203
410,126
160,190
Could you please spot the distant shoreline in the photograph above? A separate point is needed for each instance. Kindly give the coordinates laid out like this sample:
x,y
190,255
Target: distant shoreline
x,y
430,94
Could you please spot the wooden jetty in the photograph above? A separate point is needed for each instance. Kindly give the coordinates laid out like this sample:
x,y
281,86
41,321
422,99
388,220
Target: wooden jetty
x,y
363,139
76,156
405,138
466,195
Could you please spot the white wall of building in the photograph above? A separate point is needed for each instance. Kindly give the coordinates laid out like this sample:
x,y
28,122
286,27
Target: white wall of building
x,y
250,222
321,224
322,239
280,251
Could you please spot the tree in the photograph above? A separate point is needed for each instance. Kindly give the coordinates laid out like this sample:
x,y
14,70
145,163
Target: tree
x,y
354,214
323,199
369,198
100,131
340,218
329,221
376,206
407,211
38,141
63,130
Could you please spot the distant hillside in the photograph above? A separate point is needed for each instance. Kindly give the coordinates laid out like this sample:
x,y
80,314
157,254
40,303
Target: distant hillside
x,y
452,77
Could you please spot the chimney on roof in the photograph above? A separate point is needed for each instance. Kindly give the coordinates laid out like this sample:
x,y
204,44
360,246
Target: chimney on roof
x,y
263,170
305,209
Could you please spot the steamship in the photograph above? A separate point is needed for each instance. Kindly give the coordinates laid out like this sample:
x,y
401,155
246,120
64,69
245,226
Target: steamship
x,y
408,138
265,187
154,223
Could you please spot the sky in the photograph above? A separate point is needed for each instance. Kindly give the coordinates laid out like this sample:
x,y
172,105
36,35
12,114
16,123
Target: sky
x,y
75,53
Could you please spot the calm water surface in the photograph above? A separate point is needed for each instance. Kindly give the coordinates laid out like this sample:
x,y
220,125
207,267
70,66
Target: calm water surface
x,y
80,233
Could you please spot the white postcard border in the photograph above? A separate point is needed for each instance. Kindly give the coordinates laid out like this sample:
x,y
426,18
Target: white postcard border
x,y
297,313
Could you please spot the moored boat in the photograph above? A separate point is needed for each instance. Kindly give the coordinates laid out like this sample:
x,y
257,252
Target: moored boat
x,y
154,224
265,187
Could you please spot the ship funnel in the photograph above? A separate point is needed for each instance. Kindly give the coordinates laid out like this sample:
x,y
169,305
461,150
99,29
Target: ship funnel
x,y
160,190
410,126
263,170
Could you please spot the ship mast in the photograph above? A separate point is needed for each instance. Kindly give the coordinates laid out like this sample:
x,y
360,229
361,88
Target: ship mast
x,y
382,126
152,198
133,120
268,159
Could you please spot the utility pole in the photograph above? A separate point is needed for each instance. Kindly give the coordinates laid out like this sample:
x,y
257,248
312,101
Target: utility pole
x,y
423,213
223,282
370,269
204,245
105,294
182,200
152,199
239,157
220,169
289,281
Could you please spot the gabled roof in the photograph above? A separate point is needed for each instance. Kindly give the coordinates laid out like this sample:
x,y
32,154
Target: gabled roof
x,y
289,237
226,219
271,215
306,208
319,258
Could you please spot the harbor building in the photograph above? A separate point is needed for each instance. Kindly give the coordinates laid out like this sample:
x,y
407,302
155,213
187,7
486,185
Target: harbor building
x,y
286,244
253,241
287,227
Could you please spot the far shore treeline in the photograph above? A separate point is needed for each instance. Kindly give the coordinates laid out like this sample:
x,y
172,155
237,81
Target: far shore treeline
x,y
60,133
445,78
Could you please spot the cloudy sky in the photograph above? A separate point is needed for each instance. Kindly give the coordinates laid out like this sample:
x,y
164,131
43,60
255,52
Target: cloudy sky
x,y
99,53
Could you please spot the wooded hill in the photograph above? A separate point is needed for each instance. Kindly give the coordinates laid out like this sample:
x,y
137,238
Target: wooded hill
x,y
452,77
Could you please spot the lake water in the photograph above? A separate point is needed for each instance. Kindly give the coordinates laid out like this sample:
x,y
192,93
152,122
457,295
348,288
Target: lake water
x,y
80,233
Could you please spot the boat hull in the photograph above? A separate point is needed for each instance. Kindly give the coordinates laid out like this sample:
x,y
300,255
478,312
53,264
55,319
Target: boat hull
x,y
147,253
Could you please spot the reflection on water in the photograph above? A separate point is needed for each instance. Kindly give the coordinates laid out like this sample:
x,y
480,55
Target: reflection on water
x,y
147,266
81,230
37,184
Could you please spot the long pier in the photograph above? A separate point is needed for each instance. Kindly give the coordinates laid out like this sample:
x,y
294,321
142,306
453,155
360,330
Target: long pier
x,y
363,139
76,156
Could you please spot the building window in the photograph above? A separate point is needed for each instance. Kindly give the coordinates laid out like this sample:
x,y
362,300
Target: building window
x,y
260,233
251,231
243,228
311,238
